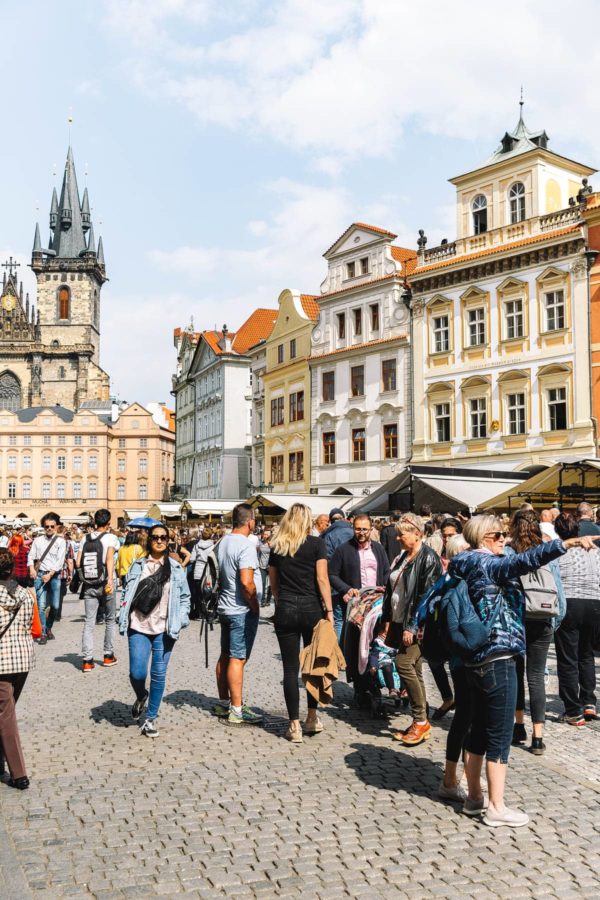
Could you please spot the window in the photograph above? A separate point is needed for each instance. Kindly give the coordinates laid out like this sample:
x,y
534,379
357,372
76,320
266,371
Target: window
x,y
328,448
515,406
479,209
12,490
12,440
297,406
297,466
280,353
62,373
328,385
26,490
61,462
513,310
364,265
441,334
77,463
134,424
388,374
374,309
60,490
516,199
93,440
46,490
47,440
390,441
143,464
121,464
350,270
357,381
121,443
293,348
27,440
77,490
476,320
64,297
557,408
555,310
441,415
357,313
143,443
62,440
277,416
341,326
277,469
120,492
46,463
93,463
358,444
478,416
12,461
77,440
27,462
142,491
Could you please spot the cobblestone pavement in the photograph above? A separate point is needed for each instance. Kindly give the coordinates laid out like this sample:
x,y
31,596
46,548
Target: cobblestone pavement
x,y
204,811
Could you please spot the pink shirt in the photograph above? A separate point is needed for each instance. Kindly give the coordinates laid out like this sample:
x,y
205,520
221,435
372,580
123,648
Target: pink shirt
x,y
368,566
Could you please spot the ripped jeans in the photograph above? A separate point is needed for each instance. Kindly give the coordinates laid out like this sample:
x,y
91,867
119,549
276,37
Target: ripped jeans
x,y
494,690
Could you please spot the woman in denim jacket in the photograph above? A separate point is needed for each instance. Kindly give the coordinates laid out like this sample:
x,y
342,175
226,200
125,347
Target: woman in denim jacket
x,y
496,593
153,632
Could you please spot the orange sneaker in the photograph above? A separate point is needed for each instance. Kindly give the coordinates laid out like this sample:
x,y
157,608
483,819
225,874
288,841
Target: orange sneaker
x,y
88,665
109,660
416,734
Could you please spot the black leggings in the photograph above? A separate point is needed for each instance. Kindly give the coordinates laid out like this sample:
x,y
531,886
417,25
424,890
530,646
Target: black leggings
x,y
463,714
538,637
295,618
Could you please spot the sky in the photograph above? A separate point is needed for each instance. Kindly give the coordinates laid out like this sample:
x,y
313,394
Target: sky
x,y
228,143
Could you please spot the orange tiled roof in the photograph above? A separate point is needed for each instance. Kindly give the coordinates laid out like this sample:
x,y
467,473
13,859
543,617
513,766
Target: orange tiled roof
x,y
593,202
256,328
489,251
373,228
399,337
406,256
212,338
310,306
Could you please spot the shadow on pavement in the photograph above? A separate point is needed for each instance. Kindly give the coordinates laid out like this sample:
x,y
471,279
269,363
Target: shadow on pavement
x,y
73,658
114,712
390,769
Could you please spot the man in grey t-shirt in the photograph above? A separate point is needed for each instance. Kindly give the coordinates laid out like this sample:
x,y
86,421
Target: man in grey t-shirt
x,y
238,614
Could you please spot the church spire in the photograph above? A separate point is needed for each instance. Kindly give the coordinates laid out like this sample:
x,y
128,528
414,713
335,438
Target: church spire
x,y
37,241
54,210
85,211
69,239
100,252
91,245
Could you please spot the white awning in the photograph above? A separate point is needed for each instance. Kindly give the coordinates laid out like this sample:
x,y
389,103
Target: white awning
x,y
165,511
136,513
199,507
471,492
317,503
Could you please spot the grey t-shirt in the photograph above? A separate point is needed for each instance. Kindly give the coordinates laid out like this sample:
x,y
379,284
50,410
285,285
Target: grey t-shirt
x,y
234,552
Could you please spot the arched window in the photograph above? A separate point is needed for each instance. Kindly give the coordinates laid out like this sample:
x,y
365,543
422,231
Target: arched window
x,y
516,197
10,391
64,303
479,209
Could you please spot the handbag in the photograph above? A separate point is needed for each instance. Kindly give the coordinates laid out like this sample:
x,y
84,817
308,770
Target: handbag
x,y
147,594
36,623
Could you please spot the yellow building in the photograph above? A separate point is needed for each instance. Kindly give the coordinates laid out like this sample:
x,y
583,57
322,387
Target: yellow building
x,y
500,316
287,394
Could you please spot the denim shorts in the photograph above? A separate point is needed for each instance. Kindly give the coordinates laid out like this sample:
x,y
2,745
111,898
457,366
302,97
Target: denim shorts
x,y
494,697
237,634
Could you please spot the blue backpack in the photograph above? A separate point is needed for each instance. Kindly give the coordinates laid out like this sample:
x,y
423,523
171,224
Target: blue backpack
x,y
451,626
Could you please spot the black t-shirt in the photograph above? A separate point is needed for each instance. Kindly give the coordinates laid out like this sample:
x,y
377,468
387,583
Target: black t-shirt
x,y
298,574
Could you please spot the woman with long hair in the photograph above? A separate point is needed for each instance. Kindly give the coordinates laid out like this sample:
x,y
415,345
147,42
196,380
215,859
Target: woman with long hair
x,y
19,550
128,553
302,594
525,532
156,607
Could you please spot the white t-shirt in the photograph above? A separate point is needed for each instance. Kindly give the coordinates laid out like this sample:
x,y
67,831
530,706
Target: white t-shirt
x,y
107,540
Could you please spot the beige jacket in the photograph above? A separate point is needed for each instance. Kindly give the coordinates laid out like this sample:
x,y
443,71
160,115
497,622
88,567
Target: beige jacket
x,y
321,662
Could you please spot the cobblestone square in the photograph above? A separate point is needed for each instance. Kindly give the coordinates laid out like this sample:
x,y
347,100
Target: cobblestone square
x,y
205,811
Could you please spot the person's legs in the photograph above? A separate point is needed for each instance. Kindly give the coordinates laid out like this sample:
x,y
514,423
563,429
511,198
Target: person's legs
x,y
339,616
40,593
310,615
162,646
499,683
520,710
566,639
140,646
289,645
238,643
587,666
538,638
409,663
110,605
440,676
10,689
53,599
387,672
459,728
90,604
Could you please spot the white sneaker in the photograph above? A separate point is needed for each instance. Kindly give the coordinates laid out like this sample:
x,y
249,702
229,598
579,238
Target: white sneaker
x,y
509,817
149,729
456,793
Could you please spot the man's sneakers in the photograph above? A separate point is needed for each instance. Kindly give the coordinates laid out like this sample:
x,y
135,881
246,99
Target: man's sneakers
x,y
149,729
109,660
50,636
575,721
43,639
247,717
88,665
455,793
589,713
415,734
221,710
138,707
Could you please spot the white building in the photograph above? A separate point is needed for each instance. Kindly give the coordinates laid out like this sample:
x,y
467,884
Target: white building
x,y
221,378
184,393
258,367
360,378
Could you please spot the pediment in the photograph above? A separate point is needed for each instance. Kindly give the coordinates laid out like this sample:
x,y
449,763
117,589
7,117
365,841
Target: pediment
x,y
552,272
358,236
203,357
511,284
438,300
473,293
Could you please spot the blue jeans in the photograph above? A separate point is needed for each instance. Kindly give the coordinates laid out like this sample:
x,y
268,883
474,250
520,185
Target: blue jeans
x,y
494,697
140,648
339,615
47,595
237,634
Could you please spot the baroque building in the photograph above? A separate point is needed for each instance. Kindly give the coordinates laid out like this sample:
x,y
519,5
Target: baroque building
x,y
185,341
501,317
51,354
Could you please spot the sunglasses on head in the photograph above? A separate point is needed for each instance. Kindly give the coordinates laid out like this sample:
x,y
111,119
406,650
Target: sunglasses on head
x,y
496,535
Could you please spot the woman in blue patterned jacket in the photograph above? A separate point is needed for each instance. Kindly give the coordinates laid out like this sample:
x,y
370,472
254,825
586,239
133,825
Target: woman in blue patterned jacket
x,y
497,595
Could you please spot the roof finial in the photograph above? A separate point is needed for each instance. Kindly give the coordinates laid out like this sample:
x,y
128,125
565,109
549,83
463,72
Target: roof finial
x,y
70,121
521,101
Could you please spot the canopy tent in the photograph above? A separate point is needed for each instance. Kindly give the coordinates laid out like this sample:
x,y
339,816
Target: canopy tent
x,y
563,484
134,513
445,489
165,511
200,509
277,504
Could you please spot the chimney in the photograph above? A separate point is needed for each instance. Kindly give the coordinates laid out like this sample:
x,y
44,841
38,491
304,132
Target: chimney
x,y
226,343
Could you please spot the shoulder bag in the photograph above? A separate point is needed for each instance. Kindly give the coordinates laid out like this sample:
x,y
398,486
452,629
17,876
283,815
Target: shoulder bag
x,y
38,562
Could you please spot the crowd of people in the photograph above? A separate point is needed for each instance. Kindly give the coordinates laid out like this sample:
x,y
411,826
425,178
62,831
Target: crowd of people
x,y
350,590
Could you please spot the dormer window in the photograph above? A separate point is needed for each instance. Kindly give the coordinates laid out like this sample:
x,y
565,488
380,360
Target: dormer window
x,y
479,209
516,198
350,270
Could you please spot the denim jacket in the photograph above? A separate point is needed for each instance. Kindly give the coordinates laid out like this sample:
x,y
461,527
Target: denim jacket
x,y
178,615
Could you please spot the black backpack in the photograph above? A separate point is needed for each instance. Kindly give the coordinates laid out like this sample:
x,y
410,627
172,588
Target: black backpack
x,y
92,571
209,597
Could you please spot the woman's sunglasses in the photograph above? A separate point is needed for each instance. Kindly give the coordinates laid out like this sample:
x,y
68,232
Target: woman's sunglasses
x,y
496,535
159,537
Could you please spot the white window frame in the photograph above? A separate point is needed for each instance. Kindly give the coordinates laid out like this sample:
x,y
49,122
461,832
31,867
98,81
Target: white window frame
x,y
478,417
557,396
554,305
516,413
476,326
442,415
516,203
441,333
514,319
479,205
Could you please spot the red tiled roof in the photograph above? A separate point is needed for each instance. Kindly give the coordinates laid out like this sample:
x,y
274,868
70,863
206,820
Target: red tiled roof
x,y
310,306
257,327
489,251
407,257
399,337
593,202
212,338
373,228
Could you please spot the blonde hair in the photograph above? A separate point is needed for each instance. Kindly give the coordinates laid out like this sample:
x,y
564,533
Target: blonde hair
x,y
476,529
410,522
455,545
293,530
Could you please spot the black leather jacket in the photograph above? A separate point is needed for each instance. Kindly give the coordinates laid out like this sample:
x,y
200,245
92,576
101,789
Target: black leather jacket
x,y
419,576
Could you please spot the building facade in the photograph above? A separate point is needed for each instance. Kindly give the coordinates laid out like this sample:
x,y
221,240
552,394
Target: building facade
x,y
258,367
287,394
183,390
221,378
501,316
359,363
50,353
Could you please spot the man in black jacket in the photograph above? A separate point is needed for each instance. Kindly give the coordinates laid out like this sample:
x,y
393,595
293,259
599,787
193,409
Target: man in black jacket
x,y
389,538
